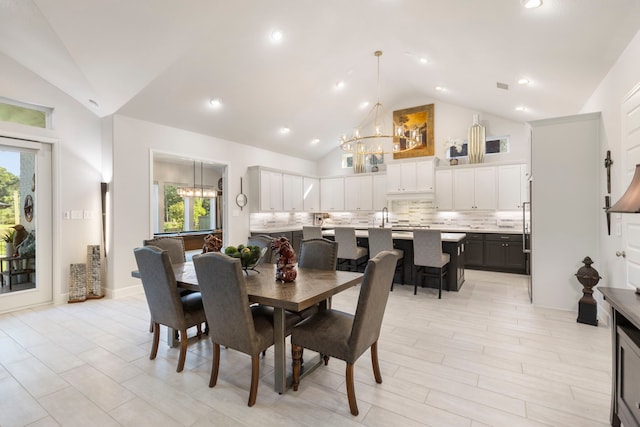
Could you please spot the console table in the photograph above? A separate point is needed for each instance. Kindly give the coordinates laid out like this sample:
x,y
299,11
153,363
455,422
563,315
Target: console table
x,y
12,266
625,340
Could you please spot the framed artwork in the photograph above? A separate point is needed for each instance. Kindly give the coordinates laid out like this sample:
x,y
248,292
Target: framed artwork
x,y
418,121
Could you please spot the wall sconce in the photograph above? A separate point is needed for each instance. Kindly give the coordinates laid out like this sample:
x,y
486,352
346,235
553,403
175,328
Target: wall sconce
x,y
630,200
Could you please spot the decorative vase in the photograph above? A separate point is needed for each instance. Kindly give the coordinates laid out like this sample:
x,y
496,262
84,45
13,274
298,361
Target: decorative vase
x,y
476,141
9,250
77,282
94,283
359,159
286,263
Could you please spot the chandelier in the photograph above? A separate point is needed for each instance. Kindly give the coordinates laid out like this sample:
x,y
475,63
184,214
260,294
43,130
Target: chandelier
x,y
373,143
194,191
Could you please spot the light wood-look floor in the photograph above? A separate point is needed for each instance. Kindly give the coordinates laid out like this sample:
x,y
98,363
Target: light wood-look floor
x,y
480,357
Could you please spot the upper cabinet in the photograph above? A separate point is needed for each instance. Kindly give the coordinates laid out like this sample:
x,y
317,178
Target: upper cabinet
x,y
292,193
311,194
444,190
512,186
358,191
332,194
474,188
265,190
379,191
410,177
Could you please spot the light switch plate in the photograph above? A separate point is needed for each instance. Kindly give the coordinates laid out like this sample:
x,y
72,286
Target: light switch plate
x,y
75,214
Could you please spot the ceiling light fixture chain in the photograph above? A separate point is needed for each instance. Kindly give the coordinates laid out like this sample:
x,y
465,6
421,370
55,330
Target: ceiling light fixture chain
x,y
373,143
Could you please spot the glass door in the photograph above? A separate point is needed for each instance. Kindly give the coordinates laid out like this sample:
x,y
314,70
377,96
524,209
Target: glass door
x,y
25,224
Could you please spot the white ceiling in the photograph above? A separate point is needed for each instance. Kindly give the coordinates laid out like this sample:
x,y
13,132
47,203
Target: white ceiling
x,y
162,60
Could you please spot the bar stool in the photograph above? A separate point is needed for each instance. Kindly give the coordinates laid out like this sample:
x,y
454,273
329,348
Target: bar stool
x,y
349,252
427,254
311,232
380,239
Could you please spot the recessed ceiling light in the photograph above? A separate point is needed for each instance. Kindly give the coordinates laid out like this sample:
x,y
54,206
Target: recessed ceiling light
x,y
276,35
531,4
364,104
340,84
523,81
440,88
215,102
315,141
521,108
423,60
284,130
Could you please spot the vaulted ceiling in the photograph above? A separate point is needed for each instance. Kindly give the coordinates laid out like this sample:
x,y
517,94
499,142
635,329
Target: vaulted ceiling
x,y
164,60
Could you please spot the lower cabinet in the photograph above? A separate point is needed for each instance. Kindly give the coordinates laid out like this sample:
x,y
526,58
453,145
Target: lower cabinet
x,y
628,375
495,252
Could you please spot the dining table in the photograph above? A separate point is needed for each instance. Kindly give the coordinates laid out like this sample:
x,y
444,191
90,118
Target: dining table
x,y
310,287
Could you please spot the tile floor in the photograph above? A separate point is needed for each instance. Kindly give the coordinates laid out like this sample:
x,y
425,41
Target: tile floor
x,y
480,357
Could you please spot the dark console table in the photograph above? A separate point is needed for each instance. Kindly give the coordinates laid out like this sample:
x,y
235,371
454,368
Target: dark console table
x,y
625,340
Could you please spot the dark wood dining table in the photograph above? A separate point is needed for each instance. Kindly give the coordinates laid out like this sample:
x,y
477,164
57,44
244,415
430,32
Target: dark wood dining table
x,y
310,287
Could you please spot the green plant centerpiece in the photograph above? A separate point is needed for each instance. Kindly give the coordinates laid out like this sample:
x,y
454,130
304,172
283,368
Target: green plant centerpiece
x,y
249,255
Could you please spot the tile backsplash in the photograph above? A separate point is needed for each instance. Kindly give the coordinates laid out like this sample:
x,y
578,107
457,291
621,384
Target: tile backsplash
x,y
402,213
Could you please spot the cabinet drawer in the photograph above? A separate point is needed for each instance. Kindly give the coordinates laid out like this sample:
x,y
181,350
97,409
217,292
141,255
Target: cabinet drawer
x,y
628,375
475,236
504,237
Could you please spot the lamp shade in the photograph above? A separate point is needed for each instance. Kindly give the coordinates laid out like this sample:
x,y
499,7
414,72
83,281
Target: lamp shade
x,y
630,200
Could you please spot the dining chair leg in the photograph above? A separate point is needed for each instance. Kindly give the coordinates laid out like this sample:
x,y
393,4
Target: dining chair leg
x,y
156,340
255,376
215,365
150,325
351,393
326,359
296,356
199,329
183,349
440,289
374,362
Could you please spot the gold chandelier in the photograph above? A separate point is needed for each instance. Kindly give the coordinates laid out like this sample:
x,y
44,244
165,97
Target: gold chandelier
x,y
373,143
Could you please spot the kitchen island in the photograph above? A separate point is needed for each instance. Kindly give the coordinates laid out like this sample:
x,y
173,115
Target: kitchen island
x,y
452,243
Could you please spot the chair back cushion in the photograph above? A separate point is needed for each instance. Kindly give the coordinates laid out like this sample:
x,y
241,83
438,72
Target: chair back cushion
x,y
380,239
225,300
172,244
427,248
160,286
347,244
318,253
374,293
311,232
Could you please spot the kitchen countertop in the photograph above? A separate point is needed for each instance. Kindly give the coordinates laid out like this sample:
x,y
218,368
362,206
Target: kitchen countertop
x,y
404,235
444,229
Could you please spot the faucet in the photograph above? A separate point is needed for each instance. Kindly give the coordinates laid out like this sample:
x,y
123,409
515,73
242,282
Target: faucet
x,y
384,211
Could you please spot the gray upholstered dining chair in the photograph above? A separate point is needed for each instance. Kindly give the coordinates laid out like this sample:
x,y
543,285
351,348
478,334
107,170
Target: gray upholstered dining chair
x,y
349,252
234,323
166,305
172,244
311,232
427,254
345,336
263,241
320,253
381,239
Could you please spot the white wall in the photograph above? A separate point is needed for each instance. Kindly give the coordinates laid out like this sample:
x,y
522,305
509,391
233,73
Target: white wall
x,y
77,165
450,121
133,142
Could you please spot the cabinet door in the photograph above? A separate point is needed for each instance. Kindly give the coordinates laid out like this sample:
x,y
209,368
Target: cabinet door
x,y
292,189
474,250
495,254
270,191
394,178
409,177
332,194
515,258
424,176
463,189
485,188
311,194
358,193
444,190
379,192
511,182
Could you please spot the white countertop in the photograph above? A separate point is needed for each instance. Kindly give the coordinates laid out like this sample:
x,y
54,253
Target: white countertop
x,y
444,229
404,235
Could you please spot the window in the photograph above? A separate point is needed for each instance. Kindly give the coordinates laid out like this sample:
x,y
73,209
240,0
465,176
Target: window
x,y
25,114
493,145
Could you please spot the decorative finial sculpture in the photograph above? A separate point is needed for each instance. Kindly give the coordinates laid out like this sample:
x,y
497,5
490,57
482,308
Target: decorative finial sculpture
x,y
286,265
587,307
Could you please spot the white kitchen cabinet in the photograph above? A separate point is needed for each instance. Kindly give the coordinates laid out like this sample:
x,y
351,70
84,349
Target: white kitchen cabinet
x,y
410,177
444,190
292,193
332,194
265,193
512,186
379,191
358,192
474,188
311,194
